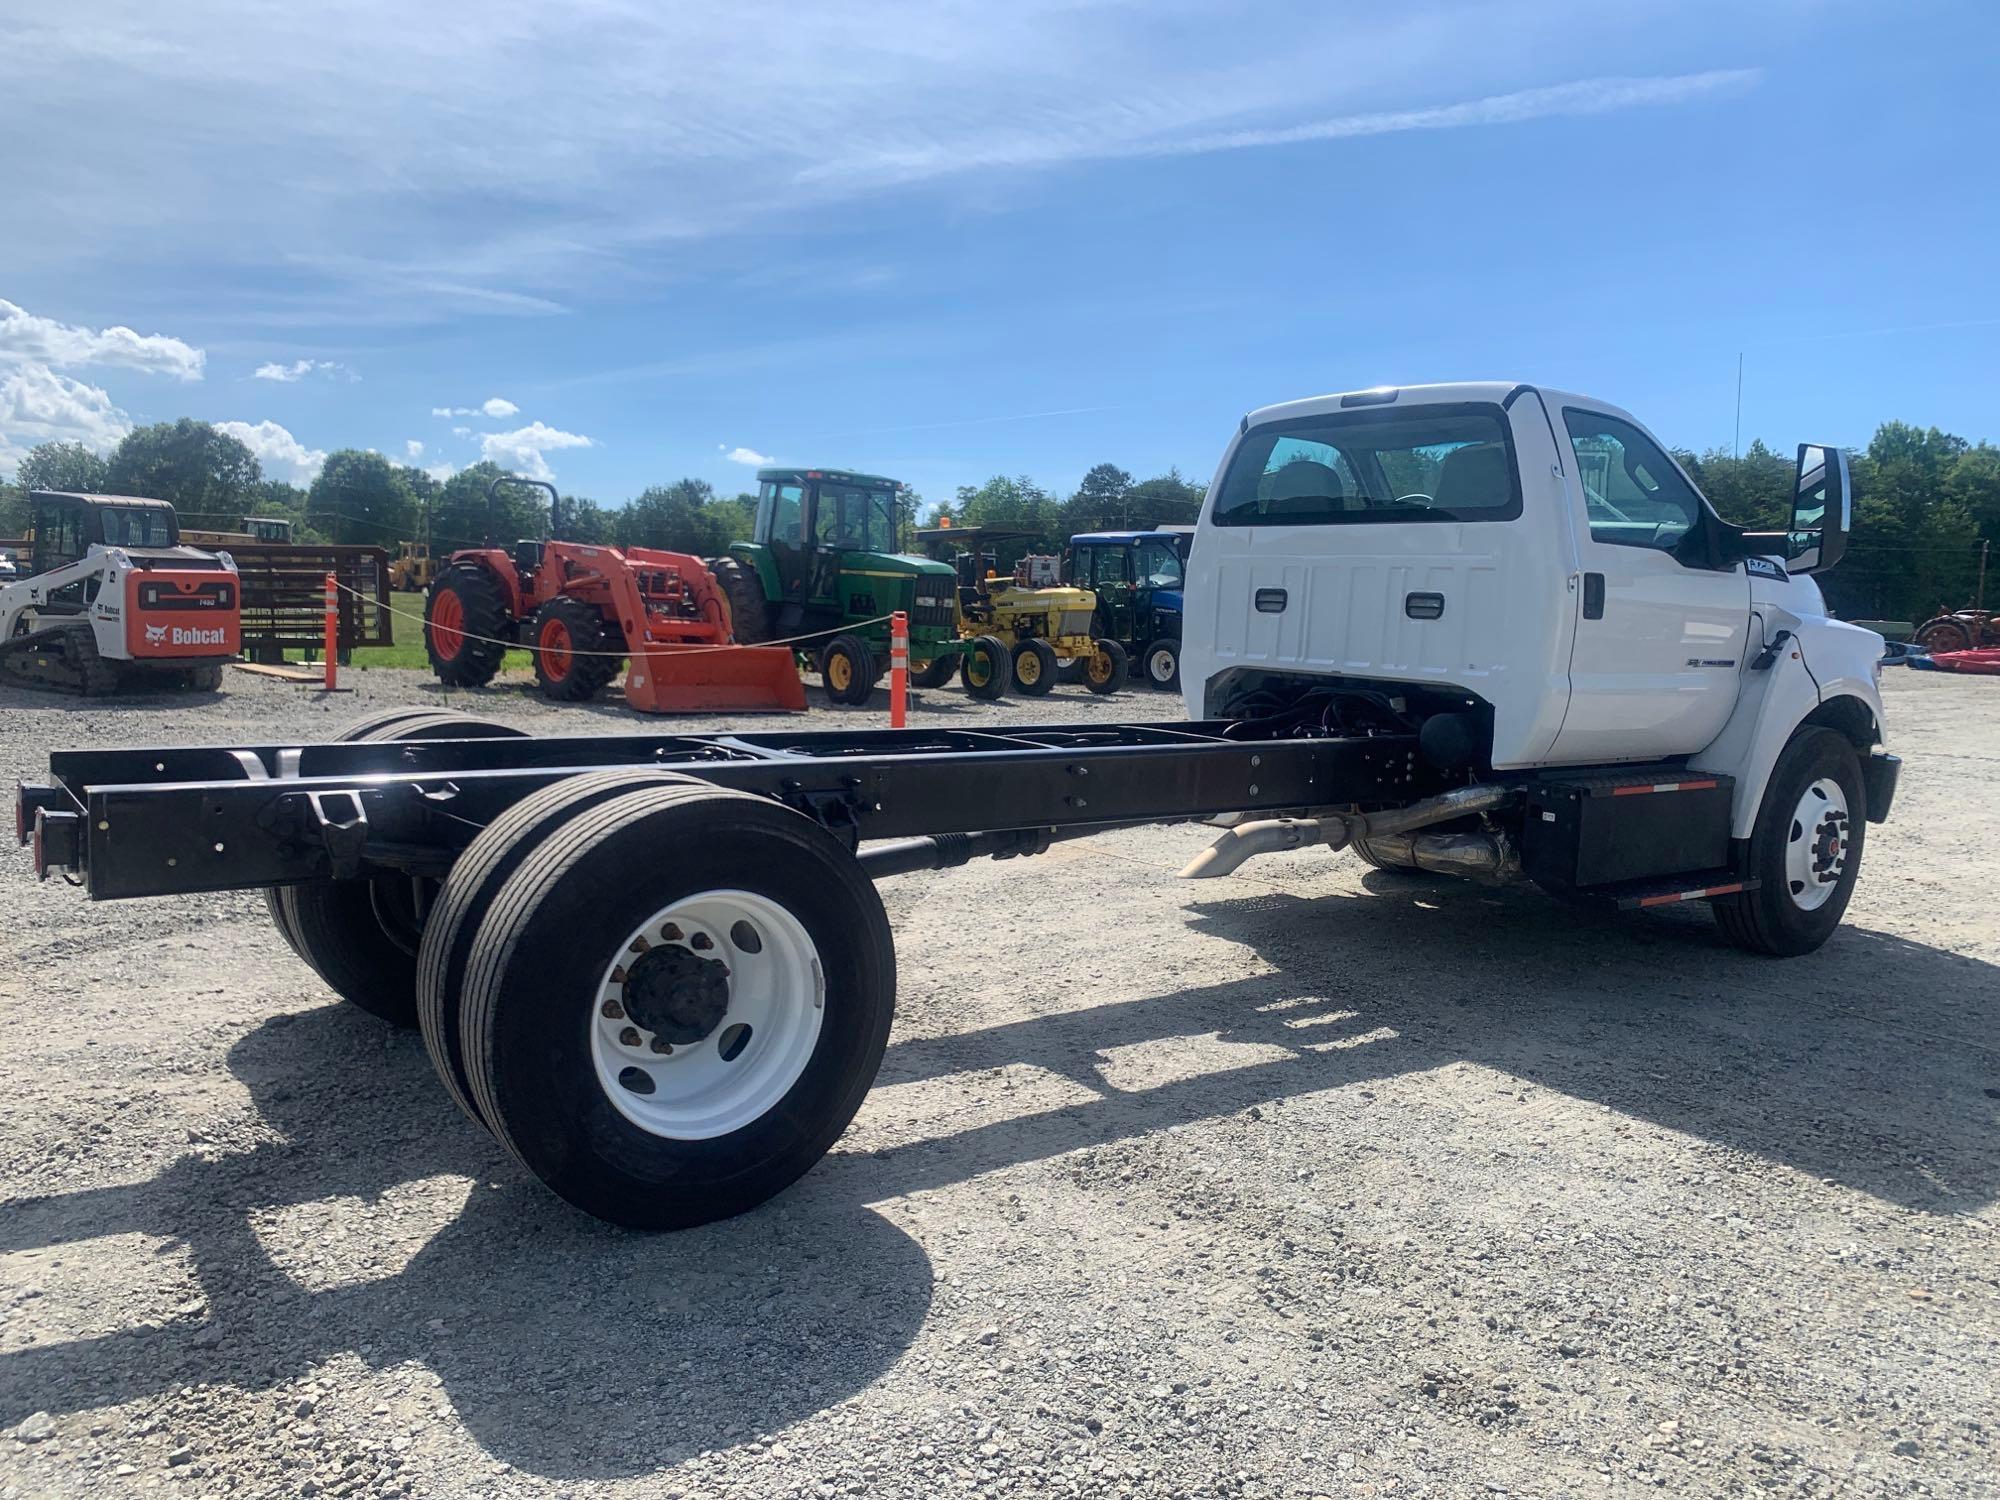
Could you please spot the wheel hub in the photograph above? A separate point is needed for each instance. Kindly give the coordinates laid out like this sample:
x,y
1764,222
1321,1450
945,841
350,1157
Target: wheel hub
x,y
677,994
1816,850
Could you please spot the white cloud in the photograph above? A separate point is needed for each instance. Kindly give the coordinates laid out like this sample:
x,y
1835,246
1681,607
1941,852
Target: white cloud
x,y
463,432
282,455
744,456
492,406
414,448
26,338
523,448
441,472
299,369
37,405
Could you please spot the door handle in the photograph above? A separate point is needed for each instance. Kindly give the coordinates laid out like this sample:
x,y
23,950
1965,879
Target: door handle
x,y
1593,596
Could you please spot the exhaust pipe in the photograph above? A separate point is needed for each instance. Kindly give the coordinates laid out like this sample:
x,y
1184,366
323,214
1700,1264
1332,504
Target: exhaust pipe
x,y
1476,856
1270,835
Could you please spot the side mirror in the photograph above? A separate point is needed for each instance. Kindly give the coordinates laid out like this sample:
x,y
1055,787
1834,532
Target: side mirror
x,y
1822,510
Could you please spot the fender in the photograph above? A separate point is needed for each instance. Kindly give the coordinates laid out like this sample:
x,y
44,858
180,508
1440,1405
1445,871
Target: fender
x,y
1774,703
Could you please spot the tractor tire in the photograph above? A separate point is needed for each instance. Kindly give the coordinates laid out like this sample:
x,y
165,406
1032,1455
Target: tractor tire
x,y
935,673
986,667
1034,667
847,668
466,626
1945,634
1805,848
749,610
1163,665
572,647
475,880
1106,670
760,967
361,936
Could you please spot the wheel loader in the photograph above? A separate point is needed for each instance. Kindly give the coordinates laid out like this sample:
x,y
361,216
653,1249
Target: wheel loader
x,y
110,600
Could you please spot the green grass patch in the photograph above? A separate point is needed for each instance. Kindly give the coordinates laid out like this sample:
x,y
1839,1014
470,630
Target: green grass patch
x,y
409,657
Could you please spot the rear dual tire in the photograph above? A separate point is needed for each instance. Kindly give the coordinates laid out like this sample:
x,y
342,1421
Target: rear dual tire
x,y
615,1082
362,936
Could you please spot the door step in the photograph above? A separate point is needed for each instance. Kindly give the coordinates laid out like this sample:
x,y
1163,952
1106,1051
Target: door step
x,y
1702,885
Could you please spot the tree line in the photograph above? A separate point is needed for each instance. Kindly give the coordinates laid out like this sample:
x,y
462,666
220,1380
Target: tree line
x,y
1925,501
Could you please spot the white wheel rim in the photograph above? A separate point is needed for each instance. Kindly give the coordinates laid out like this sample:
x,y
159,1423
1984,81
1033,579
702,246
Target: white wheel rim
x,y
727,1045
1163,666
1816,845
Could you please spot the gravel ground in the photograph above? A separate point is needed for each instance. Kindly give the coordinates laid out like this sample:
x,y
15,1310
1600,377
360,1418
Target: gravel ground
x,y
1309,1181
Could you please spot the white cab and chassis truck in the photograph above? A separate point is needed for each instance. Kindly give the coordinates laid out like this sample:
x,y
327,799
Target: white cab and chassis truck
x,y
1482,629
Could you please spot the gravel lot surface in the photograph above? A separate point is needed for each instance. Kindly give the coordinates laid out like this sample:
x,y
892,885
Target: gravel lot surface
x,y
1310,1181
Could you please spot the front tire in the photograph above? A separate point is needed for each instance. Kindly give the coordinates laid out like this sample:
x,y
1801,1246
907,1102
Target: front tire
x,y
465,626
573,659
986,667
1805,849
1106,669
1163,664
1034,667
665,1045
847,668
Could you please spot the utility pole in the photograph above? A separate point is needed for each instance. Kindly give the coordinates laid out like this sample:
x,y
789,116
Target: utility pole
x,y
1736,447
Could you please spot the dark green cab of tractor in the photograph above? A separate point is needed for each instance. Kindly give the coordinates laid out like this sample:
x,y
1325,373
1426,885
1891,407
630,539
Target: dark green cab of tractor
x,y
822,562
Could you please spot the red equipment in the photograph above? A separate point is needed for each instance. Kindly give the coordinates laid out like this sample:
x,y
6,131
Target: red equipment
x,y
581,609
1983,663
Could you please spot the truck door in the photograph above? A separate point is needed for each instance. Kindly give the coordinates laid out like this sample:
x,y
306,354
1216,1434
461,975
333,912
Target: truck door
x,y
1660,632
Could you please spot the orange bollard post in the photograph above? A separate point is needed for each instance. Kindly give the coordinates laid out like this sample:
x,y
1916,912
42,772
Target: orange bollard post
x,y
332,633
899,668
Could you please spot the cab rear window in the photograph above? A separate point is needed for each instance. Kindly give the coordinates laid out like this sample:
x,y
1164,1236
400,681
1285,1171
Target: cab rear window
x,y
1432,463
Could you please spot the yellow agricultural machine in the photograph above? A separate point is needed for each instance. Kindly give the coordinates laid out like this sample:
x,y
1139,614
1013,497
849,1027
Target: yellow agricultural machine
x,y
411,570
1045,624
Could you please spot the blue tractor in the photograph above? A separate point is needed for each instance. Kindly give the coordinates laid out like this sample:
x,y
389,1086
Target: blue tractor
x,y
1137,576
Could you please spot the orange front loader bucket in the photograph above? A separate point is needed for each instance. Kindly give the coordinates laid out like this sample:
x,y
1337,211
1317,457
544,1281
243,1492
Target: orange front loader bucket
x,y
663,679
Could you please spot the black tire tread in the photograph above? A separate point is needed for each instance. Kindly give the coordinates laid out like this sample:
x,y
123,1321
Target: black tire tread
x,y
493,855
590,638
485,615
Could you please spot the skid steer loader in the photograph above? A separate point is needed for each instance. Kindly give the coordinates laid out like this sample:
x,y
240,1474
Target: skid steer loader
x,y
111,601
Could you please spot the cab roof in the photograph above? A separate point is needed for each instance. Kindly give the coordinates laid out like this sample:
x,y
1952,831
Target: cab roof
x,y
1389,397
100,499
838,476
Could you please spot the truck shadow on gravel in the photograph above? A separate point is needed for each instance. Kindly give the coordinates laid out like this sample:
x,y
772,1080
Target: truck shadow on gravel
x,y
573,1350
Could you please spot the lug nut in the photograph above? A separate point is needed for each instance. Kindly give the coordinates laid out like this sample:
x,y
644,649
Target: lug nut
x,y
630,1036
612,1011
662,1046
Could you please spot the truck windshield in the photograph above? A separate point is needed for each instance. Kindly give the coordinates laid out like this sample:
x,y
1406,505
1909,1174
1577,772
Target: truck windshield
x,y
1432,463
849,516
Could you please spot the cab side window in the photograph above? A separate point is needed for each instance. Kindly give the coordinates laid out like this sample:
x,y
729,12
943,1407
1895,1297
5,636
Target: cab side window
x,y
1632,492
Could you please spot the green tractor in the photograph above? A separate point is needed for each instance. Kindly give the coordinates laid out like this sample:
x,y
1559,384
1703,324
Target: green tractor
x,y
821,570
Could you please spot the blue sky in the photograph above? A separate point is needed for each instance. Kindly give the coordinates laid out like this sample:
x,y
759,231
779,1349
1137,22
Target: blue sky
x,y
623,243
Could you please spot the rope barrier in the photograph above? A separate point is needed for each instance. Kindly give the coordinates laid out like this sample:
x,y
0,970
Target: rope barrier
x,y
371,602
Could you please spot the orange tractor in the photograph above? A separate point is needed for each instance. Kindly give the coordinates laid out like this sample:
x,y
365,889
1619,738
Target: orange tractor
x,y
581,610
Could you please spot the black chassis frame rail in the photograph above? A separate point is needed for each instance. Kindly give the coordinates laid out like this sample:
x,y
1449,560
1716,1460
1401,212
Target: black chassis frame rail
x,y
157,822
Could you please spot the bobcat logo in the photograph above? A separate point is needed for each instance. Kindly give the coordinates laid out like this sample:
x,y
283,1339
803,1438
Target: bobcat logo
x,y
156,635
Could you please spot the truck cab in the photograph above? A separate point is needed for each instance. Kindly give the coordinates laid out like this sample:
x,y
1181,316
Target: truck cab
x,y
1528,578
